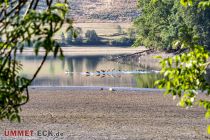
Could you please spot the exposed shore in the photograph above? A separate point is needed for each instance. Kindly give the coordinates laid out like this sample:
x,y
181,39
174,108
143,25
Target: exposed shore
x,y
105,115
145,60
78,51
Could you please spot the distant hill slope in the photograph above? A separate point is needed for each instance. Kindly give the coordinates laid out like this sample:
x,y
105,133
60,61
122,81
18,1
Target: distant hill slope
x,y
103,10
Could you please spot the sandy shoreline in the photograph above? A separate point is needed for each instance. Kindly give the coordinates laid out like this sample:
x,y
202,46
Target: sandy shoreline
x,y
105,115
80,51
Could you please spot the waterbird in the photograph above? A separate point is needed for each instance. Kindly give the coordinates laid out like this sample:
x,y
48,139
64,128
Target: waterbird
x,y
67,72
87,73
111,89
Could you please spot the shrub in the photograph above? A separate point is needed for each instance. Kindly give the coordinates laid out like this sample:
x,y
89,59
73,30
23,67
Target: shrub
x,y
123,41
92,36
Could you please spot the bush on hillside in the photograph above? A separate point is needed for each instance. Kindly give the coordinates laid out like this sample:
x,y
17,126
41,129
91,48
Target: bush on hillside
x,y
123,41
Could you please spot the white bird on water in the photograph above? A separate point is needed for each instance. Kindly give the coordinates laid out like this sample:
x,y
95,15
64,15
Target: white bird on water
x,y
67,72
111,89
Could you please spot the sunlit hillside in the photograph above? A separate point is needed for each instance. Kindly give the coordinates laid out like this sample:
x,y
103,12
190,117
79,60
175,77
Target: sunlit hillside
x,y
103,10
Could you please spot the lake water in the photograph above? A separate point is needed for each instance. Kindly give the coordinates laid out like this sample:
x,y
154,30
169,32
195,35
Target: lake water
x,y
82,71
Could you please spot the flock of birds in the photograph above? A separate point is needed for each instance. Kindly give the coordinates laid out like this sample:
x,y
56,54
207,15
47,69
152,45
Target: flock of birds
x,y
103,73
114,72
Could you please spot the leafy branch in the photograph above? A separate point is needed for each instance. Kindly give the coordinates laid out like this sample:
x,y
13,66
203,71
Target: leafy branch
x,y
185,74
33,27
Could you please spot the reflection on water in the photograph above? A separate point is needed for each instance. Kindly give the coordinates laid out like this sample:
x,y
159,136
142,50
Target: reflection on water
x,y
147,80
54,72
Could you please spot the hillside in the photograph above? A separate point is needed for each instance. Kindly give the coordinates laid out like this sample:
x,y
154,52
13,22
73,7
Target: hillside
x,y
103,10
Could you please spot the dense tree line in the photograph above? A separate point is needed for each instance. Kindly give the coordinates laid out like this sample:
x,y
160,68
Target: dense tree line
x,y
163,22
90,37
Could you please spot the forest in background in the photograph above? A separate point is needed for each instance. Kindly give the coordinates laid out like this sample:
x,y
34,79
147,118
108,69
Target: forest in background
x,y
168,25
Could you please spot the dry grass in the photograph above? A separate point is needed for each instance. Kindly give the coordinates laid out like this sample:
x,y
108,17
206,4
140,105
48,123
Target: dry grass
x,y
102,29
103,10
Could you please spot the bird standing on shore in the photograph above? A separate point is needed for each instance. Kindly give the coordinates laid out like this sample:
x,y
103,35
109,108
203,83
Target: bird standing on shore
x,y
87,73
67,72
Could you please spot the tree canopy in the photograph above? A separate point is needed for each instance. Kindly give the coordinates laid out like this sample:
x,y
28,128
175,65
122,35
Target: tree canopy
x,y
92,36
23,22
163,22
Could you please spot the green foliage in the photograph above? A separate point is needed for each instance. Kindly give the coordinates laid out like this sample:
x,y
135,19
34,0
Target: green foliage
x,y
78,31
92,36
37,28
186,2
204,4
78,35
185,74
79,40
74,37
163,22
123,41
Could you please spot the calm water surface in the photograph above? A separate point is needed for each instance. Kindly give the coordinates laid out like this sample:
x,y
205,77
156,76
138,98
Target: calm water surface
x,y
72,72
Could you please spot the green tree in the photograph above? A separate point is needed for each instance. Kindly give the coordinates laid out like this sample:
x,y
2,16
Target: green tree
x,y
79,40
123,41
78,31
153,20
78,35
69,38
92,36
119,29
185,74
163,22
63,39
20,23
74,36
